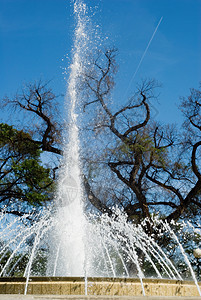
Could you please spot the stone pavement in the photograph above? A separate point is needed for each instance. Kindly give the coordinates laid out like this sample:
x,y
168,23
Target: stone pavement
x,y
63,297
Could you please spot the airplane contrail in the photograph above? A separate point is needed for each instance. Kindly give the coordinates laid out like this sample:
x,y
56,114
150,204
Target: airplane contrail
x,y
143,55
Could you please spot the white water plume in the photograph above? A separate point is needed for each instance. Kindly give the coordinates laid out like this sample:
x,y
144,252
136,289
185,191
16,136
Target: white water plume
x,y
70,228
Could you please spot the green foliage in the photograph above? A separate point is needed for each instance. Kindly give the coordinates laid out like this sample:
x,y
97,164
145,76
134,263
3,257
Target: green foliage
x,y
35,179
16,142
19,261
39,266
22,177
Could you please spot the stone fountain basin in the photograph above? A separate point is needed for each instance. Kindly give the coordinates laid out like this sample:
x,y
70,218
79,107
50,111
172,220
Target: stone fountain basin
x,y
97,286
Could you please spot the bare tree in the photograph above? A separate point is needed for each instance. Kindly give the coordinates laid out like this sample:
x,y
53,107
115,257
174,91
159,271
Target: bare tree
x,y
43,120
145,156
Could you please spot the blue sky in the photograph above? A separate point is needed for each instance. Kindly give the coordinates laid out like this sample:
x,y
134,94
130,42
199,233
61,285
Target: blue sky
x,y
35,35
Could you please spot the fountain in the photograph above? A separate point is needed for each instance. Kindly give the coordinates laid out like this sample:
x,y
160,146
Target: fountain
x,y
121,259
87,254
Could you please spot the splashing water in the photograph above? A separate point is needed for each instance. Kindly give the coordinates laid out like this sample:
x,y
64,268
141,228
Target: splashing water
x,y
69,233
80,245
114,247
